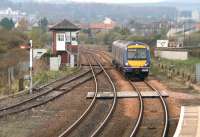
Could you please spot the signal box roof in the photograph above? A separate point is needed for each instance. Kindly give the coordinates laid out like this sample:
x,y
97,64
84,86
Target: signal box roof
x,y
65,25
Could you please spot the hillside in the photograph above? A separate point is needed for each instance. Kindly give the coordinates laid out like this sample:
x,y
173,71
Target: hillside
x,y
65,1
182,4
87,12
183,1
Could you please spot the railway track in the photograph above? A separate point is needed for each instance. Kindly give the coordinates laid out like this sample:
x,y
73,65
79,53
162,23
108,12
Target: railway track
x,y
141,112
166,113
141,105
91,106
76,123
95,133
104,55
47,93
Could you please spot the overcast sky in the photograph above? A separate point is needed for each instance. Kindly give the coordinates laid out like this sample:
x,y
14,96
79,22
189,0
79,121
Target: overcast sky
x,y
104,1
118,1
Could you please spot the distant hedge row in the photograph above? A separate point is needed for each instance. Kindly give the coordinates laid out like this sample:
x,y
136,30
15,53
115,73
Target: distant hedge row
x,y
107,37
11,39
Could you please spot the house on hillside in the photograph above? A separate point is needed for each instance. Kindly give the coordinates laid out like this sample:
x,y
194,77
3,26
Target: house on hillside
x,y
197,26
65,42
107,24
184,16
182,29
147,29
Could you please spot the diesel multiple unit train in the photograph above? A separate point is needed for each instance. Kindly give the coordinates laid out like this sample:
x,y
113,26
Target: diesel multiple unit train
x,y
132,58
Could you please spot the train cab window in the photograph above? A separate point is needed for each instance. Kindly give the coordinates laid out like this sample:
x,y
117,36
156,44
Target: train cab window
x,y
137,54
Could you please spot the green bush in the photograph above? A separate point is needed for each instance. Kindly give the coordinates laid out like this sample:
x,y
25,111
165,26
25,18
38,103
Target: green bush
x,y
40,38
185,65
47,76
7,24
11,39
107,37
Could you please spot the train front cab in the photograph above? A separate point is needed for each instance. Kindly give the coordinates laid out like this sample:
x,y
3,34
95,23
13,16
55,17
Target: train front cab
x,y
137,61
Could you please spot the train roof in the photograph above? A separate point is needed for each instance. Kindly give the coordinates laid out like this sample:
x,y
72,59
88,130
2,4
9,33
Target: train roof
x,y
123,43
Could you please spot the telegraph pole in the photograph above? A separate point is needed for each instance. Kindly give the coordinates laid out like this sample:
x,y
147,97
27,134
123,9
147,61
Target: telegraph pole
x,y
31,67
30,48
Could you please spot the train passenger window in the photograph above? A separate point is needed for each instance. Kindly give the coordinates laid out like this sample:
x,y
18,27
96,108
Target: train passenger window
x,y
137,54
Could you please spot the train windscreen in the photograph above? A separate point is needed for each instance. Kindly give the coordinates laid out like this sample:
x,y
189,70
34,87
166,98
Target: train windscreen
x,y
137,54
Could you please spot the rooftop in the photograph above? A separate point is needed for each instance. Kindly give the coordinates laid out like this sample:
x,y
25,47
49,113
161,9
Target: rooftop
x,y
65,25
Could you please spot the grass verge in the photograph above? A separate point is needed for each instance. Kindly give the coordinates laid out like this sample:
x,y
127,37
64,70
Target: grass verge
x,y
47,76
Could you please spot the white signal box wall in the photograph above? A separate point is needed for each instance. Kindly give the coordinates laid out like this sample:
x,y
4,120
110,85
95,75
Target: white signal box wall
x,y
162,43
60,42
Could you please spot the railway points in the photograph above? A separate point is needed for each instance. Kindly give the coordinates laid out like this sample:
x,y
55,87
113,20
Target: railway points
x,y
76,123
145,92
100,126
150,93
49,93
125,76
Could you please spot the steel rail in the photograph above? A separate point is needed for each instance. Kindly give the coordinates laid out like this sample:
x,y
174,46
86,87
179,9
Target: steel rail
x,y
46,101
164,104
96,132
42,94
56,80
76,123
141,112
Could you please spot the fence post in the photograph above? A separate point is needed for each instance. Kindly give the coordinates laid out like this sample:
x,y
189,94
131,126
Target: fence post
x,y
197,74
9,81
21,84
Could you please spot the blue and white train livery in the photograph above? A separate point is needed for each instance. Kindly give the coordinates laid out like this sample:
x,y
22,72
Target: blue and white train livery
x,y
132,58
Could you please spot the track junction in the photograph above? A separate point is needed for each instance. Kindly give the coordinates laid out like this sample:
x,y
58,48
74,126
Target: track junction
x,y
100,115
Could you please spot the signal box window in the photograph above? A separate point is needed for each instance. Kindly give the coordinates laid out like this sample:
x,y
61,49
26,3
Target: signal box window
x,y
73,39
61,37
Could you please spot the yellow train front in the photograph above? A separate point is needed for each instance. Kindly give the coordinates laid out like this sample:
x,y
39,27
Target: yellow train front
x,y
132,58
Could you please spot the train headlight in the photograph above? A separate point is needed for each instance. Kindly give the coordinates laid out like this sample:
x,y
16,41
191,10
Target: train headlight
x,y
146,65
126,64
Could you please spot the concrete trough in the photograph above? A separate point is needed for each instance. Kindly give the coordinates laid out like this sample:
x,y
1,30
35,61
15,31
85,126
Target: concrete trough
x,y
126,94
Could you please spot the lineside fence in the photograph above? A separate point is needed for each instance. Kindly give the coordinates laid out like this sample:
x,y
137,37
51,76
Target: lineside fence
x,y
186,73
10,75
